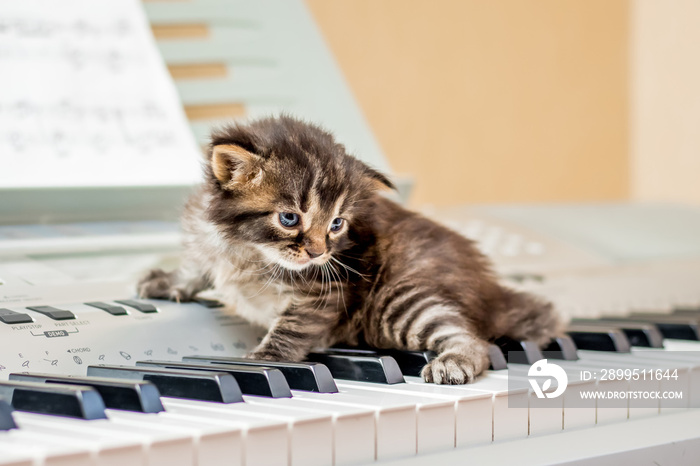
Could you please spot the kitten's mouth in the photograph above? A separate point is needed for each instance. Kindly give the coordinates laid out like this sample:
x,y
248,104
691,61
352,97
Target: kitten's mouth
x,y
293,262
301,263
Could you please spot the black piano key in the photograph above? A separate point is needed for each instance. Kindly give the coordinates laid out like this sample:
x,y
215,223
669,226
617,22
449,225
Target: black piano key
x,y
644,334
693,311
312,377
260,381
562,347
77,401
6,421
192,385
496,358
139,306
410,362
519,351
52,312
110,308
597,338
351,350
121,394
359,366
11,317
672,326
210,303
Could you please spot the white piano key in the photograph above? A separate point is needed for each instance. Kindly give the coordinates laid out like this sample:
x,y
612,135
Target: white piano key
x,y
576,412
105,451
508,423
689,359
215,445
258,434
672,440
395,418
472,412
15,458
45,450
310,434
354,431
435,426
159,447
632,361
545,416
681,345
607,411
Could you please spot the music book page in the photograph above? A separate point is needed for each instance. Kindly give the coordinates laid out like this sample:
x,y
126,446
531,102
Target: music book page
x,y
86,100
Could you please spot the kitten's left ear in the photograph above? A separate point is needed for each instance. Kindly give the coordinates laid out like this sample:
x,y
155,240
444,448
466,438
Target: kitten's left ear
x,y
233,164
379,181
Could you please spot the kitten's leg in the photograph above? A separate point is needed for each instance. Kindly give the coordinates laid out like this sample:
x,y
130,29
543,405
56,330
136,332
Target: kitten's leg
x,y
433,324
180,285
462,354
295,332
527,317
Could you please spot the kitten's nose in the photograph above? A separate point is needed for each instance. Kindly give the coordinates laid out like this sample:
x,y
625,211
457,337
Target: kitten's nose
x,y
314,253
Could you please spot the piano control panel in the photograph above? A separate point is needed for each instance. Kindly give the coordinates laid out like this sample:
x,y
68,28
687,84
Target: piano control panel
x,y
66,338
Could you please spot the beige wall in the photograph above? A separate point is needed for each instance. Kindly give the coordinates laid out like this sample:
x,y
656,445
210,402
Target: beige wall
x,y
665,110
491,101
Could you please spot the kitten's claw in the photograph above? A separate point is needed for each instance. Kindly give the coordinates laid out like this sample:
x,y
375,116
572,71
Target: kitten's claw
x,y
158,284
453,369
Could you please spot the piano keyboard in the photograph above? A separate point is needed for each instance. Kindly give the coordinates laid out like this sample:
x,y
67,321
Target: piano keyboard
x,y
158,383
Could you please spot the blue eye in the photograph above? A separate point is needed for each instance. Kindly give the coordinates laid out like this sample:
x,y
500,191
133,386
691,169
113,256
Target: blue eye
x,y
337,224
288,219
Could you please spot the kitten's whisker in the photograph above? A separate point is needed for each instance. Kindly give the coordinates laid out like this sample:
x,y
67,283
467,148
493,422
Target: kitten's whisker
x,y
341,289
348,268
345,270
262,268
320,293
270,279
352,257
313,282
330,285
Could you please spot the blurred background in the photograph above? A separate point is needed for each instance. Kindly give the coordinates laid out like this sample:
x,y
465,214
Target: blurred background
x,y
509,101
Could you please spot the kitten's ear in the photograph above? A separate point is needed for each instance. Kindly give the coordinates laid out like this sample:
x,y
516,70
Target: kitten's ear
x,y
378,180
233,164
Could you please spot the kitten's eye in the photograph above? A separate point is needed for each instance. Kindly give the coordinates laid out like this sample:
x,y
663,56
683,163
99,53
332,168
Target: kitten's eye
x,y
337,224
288,219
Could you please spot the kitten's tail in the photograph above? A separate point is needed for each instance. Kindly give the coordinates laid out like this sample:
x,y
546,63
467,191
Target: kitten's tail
x,y
527,317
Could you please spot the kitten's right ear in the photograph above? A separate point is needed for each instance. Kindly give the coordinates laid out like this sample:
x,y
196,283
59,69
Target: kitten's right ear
x,y
233,165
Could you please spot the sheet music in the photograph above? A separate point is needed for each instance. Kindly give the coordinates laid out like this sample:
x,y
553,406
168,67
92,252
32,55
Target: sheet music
x,y
85,99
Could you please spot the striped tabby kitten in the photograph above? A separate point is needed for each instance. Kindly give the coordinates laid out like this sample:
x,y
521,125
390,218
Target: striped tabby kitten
x,y
292,232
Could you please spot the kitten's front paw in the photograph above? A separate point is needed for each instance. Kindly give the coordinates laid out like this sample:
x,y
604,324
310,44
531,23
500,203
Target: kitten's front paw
x,y
263,355
453,369
158,284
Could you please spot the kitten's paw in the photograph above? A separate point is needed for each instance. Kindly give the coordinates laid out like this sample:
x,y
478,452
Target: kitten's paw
x,y
158,284
263,355
453,369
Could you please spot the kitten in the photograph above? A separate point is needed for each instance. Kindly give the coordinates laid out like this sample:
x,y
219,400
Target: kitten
x,y
294,235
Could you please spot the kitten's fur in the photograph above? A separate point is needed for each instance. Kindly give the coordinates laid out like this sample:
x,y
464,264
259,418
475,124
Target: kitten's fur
x,y
390,277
